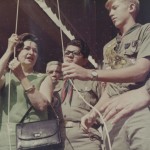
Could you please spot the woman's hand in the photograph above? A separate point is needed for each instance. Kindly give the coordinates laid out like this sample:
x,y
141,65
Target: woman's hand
x,y
12,41
16,68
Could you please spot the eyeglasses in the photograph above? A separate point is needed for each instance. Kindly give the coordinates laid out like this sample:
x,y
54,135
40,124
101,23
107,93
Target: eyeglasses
x,y
74,53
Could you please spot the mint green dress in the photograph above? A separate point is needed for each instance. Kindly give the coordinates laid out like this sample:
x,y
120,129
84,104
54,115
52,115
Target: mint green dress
x,y
19,104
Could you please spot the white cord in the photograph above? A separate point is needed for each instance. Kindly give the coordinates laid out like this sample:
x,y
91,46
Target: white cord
x,y
16,25
61,35
77,89
8,121
101,117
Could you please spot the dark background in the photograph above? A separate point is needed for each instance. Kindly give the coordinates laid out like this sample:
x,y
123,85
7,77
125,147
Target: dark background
x,y
86,19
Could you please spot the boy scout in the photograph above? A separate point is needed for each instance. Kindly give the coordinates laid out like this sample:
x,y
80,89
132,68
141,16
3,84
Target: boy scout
x,y
73,107
128,56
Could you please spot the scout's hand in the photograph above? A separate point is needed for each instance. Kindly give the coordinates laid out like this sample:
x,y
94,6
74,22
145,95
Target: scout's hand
x,y
88,120
126,104
71,70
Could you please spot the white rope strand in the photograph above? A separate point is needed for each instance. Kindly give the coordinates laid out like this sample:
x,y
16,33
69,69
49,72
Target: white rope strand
x,y
61,34
100,115
8,121
16,25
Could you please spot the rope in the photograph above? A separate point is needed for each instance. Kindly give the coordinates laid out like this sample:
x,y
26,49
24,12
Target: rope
x,y
100,115
16,25
61,34
8,121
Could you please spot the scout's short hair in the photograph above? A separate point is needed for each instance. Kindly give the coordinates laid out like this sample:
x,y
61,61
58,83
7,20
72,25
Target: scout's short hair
x,y
50,63
85,51
136,2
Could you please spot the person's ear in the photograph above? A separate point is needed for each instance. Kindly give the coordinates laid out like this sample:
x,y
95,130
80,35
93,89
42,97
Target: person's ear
x,y
132,8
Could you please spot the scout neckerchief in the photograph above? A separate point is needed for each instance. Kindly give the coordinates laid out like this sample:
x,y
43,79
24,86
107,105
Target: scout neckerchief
x,y
67,91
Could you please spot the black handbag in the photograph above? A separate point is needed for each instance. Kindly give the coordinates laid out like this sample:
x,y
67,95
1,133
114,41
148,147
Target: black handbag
x,y
39,135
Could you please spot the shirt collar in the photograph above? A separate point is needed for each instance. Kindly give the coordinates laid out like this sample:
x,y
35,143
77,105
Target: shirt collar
x,y
135,26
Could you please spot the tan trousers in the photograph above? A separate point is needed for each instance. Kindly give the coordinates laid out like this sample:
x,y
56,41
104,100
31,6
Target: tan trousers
x,y
76,139
131,133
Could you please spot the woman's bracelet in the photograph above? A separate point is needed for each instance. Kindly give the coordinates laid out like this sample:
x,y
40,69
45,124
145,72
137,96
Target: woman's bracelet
x,y
30,89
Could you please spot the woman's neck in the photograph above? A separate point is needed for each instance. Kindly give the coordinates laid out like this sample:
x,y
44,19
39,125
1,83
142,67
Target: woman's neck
x,y
27,71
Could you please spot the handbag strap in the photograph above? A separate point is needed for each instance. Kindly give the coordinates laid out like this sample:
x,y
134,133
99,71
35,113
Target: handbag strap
x,y
25,115
28,111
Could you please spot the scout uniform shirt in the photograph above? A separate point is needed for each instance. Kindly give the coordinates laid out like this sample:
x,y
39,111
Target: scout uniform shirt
x,y
124,51
75,108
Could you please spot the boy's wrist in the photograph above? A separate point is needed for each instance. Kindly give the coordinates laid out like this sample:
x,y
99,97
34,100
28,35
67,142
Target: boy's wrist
x,y
93,113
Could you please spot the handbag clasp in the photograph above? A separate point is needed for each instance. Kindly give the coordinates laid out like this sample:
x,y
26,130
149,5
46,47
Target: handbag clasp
x,y
37,134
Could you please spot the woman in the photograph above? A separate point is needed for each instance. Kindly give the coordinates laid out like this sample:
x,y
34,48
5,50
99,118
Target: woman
x,y
24,88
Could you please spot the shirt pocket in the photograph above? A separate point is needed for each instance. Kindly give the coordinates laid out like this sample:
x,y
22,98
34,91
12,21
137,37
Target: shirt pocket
x,y
132,49
131,52
88,95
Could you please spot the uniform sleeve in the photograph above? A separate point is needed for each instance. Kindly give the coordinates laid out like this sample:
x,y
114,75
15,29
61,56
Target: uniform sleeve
x,y
148,86
144,50
97,89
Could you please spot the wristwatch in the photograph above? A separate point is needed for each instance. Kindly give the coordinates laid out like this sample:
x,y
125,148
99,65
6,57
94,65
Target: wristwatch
x,y
94,74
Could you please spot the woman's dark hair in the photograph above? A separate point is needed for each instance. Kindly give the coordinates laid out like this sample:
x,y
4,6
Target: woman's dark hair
x,y
82,45
24,37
